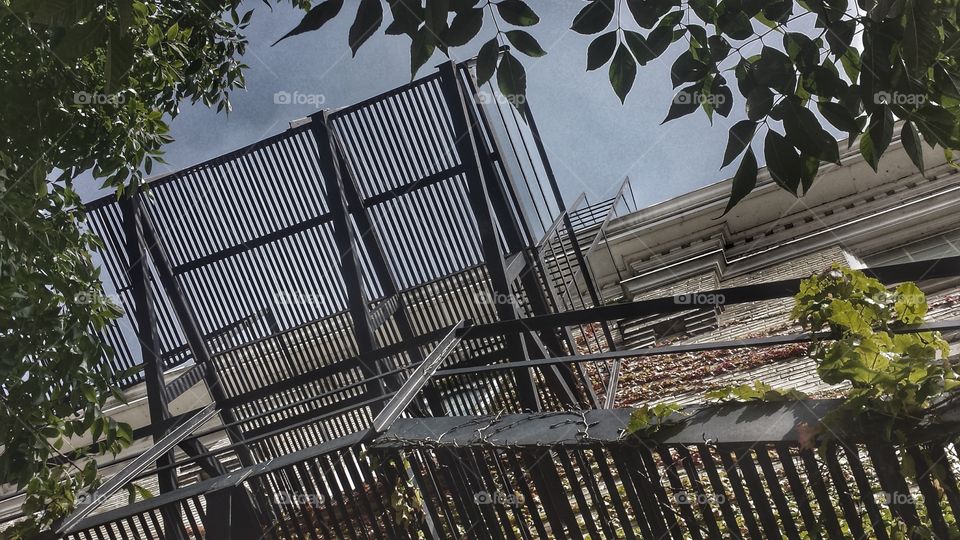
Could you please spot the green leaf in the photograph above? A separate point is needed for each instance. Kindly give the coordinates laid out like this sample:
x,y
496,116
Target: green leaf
x,y
809,167
319,15
778,11
435,18
938,126
658,40
422,47
759,103
487,61
407,16
512,79
881,130
921,36
840,35
594,17
120,58
368,20
911,304
851,63
685,102
775,70
868,151
801,50
911,144
736,25
686,68
740,136
465,26
838,115
645,12
744,181
721,98
623,71
525,43
601,50
783,161
804,131
80,40
638,46
517,13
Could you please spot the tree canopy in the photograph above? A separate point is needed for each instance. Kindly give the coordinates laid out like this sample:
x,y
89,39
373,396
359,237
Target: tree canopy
x,y
86,86
804,69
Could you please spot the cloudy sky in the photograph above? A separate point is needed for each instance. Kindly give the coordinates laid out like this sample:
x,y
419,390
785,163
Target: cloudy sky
x,y
593,140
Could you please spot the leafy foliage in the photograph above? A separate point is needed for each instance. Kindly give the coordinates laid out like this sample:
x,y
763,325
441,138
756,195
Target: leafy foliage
x,y
855,67
758,391
87,86
894,376
648,419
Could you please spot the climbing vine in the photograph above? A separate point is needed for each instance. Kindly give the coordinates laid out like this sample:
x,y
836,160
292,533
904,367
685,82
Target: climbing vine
x,y
861,338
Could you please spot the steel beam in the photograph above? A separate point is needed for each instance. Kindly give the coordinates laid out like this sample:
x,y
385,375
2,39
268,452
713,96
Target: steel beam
x,y
468,150
188,323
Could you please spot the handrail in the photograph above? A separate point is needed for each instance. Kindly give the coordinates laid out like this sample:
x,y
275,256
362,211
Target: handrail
x,y
91,503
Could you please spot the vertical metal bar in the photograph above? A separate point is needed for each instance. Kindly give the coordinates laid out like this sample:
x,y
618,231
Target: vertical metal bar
x,y
931,497
350,268
188,323
480,203
149,348
877,523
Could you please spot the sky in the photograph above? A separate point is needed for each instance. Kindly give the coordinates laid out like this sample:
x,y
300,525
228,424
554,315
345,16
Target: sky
x,y
592,139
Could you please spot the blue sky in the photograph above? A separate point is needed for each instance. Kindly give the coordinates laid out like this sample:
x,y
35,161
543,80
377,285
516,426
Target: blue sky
x,y
593,140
